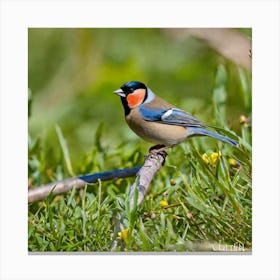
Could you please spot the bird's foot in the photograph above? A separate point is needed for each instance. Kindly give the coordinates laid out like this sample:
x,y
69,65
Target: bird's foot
x,y
159,149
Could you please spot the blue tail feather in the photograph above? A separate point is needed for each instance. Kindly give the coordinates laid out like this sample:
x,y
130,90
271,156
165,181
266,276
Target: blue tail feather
x,y
192,131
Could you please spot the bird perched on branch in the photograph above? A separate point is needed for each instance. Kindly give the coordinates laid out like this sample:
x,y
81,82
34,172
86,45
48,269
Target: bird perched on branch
x,y
157,121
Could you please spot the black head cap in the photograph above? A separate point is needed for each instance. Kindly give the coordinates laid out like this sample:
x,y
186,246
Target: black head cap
x,y
131,86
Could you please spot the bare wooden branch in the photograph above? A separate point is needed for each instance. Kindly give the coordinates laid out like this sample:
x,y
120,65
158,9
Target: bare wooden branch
x,y
60,187
153,163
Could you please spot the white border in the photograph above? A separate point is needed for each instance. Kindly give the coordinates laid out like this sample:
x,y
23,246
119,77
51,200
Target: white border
x,y
17,16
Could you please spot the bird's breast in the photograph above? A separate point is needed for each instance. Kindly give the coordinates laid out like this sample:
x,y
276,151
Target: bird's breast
x,y
155,132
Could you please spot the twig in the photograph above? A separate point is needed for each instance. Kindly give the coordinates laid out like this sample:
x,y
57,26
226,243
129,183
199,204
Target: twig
x,y
153,163
41,192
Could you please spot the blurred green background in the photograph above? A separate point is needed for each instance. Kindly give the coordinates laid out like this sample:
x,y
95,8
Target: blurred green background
x,y
72,74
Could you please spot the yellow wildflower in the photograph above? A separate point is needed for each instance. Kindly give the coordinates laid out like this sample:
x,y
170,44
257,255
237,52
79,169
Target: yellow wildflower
x,y
205,158
212,158
163,203
232,161
124,235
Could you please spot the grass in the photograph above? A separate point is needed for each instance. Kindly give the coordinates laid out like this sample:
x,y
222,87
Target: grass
x,y
206,203
200,199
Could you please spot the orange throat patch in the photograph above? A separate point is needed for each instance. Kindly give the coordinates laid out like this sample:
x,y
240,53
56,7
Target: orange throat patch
x,y
136,98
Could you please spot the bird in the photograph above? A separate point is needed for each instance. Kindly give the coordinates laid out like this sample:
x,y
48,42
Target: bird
x,y
155,120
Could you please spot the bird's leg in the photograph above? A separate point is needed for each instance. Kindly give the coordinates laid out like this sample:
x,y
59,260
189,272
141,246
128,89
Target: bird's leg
x,y
158,149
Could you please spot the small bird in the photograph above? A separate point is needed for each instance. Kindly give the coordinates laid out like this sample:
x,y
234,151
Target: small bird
x,y
157,121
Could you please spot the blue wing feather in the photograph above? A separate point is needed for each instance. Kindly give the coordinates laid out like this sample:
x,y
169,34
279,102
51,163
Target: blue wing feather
x,y
176,116
151,114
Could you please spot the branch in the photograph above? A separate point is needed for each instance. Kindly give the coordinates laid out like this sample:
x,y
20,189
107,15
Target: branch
x,y
60,187
145,175
153,163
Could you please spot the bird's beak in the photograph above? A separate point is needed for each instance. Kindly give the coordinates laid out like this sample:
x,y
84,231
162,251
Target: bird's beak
x,y
119,92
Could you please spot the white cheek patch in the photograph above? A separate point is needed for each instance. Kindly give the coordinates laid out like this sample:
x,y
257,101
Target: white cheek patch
x,y
167,114
151,96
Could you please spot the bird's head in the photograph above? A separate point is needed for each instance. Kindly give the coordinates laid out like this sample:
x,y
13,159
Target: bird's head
x,y
133,94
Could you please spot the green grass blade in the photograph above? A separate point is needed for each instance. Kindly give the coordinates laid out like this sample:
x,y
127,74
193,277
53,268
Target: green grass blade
x,y
65,151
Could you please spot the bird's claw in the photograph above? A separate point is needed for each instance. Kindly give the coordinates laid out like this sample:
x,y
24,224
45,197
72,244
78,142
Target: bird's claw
x,y
158,150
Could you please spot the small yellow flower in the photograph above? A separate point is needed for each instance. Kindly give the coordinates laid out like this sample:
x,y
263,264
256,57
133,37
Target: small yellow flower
x,y
163,203
232,161
124,235
205,158
212,158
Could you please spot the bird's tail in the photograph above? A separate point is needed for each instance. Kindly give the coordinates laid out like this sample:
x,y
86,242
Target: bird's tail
x,y
205,132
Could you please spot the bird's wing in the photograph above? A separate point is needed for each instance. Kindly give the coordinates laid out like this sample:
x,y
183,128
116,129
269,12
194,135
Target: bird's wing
x,y
171,116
